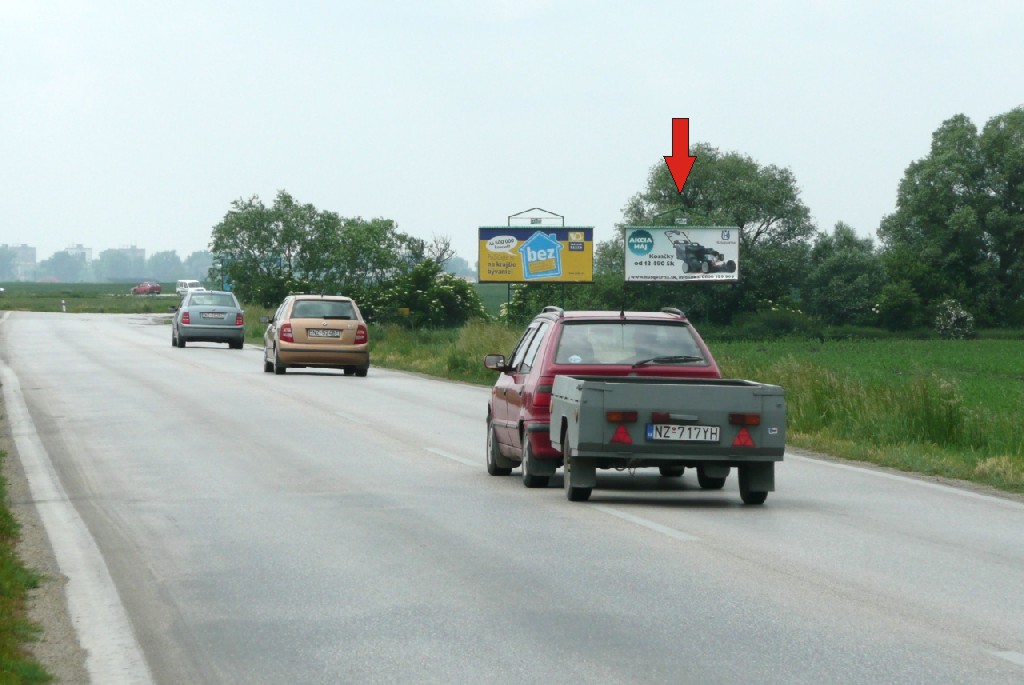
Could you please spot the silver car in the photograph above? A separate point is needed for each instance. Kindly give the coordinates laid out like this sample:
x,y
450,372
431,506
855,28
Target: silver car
x,y
208,316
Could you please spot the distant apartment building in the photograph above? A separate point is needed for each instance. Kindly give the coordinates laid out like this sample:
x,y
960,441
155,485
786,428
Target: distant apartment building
x,y
80,250
24,261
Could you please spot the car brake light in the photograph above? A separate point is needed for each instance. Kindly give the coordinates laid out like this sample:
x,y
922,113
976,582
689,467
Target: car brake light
x,y
362,334
239,321
619,416
286,333
542,395
745,419
184,317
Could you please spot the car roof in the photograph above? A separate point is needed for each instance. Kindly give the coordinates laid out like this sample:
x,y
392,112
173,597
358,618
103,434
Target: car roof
x,y
341,298
666,314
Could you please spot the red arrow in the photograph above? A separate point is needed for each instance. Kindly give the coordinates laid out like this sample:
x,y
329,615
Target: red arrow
x,y
680,162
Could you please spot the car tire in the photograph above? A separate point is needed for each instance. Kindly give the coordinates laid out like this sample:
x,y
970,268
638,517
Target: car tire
x,y
709,482
174,339
362,371
267,365
530,479
573,493
494,454
179,341
671,471
278,366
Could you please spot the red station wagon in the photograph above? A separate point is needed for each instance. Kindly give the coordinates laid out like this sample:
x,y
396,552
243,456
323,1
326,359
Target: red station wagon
x,y
576,343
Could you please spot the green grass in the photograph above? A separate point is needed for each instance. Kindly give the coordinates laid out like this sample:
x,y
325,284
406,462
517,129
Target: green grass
x,y
16,664
80,298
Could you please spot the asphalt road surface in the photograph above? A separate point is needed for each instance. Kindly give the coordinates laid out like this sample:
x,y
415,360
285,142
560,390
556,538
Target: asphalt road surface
x,y
220,524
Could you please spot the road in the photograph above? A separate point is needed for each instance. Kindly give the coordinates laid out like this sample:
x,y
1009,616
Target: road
x,y
224,525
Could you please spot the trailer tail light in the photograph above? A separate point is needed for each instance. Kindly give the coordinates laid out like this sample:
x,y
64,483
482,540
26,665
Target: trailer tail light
x,y
362,334
619,416
743,439
745,419
239,321
542,394
286,333
184,318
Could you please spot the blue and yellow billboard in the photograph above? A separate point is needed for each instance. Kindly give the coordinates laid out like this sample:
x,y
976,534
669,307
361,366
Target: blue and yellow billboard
x,y
562,254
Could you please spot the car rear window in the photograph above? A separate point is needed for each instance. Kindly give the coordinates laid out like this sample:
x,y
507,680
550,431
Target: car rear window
x,y
323,309
212,299
615,342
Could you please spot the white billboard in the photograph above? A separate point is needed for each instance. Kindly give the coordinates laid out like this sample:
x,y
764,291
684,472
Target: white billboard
x,y
682,253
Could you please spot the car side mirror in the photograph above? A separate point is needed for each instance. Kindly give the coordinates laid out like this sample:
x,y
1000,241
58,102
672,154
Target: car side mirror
x,y
495,362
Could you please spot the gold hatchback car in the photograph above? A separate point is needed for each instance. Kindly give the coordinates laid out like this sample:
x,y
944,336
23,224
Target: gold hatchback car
x,y
321,331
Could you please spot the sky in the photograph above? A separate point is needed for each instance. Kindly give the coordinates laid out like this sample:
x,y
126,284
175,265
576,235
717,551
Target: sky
x,y
137,123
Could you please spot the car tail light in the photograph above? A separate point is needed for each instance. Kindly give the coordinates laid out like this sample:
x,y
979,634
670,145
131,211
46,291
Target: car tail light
x,y
286,333
619,416
184,317
362,335
239,321
542,395
745,419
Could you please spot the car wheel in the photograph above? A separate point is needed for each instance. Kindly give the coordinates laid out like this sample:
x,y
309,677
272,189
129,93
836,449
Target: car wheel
x,y
494,454
267,365
236,345
278,366
573,493
709,482
174,339
362,371
671,471
531,479
180,341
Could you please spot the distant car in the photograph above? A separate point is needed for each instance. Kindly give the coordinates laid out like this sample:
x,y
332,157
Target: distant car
x,y
208,316
146,288
584,343
319,331
184,285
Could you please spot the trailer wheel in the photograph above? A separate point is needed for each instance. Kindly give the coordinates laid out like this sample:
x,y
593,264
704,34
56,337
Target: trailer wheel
x,y
573,493
709,482
746,494
494,454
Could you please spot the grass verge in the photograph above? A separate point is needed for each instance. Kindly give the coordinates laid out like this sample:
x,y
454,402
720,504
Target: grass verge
x,y
16,664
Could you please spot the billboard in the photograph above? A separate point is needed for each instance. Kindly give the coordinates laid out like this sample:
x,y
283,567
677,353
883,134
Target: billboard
x,y
682,253
541,254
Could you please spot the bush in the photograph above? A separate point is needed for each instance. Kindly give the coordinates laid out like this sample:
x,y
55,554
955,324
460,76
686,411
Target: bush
x,y
953,322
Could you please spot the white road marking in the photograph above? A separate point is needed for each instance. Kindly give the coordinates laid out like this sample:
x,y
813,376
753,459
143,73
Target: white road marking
x,y
453,457
104,631
650,525
1012,657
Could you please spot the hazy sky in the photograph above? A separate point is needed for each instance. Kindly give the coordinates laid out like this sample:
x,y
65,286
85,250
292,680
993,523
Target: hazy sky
x,y
137,123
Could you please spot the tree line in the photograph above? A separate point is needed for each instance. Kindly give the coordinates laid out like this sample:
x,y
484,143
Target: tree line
x,y
112,266
953,244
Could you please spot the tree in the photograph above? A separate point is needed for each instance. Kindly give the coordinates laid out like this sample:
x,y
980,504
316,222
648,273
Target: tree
x,y
958,229
260,246
430,296
197,265
164,266
63,266
845,279
117,265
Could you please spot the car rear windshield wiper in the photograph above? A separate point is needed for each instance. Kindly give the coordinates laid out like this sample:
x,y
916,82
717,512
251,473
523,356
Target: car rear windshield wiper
x,y
674,359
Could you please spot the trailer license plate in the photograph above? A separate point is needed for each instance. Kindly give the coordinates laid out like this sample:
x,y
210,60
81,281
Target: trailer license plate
x,y
663,431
